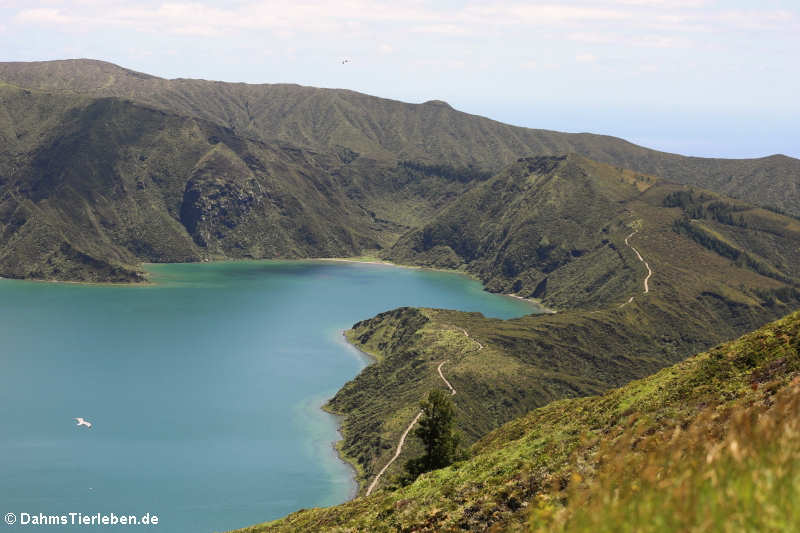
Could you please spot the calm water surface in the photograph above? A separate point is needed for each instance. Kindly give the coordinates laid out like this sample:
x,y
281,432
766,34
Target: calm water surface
x,y
204,390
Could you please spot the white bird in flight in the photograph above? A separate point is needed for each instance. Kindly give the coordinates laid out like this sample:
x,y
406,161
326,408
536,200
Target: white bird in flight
x,y
82,422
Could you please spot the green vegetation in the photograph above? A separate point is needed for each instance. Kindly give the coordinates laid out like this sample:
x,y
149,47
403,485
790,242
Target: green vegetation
x,y
709,444
353,126
553,228
727,227
463,175
698,297
102,168
90,188
745,478
435,431
541,224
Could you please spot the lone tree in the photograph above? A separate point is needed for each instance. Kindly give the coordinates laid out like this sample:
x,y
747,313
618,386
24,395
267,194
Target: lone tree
x,y
435,430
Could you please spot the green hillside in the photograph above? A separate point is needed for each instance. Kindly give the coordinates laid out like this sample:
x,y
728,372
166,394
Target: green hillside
x,y
556,228
709,444
102,168
92,187
433,133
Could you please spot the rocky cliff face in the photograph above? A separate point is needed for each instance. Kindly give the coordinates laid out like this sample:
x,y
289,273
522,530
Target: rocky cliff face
x,y
218,198
96,186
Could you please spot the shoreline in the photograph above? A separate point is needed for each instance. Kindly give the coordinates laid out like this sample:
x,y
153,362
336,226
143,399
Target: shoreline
x,y
369,359
367,260
364,260
131,284
536,301
336,445
353,260
353,466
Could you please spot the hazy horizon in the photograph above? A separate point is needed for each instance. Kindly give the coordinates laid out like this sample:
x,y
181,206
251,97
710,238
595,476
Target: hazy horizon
x,y
696,77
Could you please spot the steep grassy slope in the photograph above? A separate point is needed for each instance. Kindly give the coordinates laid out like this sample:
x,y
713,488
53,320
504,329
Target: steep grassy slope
x,y
91,187
556,228
545,227
525,363
433,133
709,444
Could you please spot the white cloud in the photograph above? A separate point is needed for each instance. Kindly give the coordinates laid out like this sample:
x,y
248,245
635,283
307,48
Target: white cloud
x,y
579,17
43,16
594,37
440,64
510,13
443,29
669,4
202,19
779,20
651,40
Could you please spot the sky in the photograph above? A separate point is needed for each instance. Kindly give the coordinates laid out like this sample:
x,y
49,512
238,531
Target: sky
x,y
697,77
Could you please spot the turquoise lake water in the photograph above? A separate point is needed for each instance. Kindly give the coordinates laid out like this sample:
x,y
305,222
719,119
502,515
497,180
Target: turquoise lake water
x,y
204,390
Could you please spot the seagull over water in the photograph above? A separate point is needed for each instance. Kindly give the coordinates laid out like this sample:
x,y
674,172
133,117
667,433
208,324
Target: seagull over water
x,y
82,422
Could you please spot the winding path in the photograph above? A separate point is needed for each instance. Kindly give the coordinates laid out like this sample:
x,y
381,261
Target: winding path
x,y
480,346
396,454
439,369
416,418
649,270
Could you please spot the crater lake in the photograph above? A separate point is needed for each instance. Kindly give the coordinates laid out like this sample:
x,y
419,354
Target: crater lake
x,y
204,389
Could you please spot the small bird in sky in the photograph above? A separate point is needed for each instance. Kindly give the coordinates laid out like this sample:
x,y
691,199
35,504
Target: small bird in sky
x,y
83,422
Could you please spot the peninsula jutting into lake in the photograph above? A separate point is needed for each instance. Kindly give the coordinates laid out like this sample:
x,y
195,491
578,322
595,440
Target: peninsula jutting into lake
x,y
204,389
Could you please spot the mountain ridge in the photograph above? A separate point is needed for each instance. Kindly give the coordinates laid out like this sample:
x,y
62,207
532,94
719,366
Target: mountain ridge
x,y
550,222
120,183
386,129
